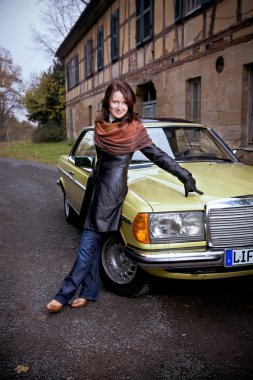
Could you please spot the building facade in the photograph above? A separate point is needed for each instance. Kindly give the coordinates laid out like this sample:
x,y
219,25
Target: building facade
x,y
191,59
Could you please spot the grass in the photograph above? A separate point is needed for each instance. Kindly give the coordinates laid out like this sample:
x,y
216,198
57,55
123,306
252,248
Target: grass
x,y
47,153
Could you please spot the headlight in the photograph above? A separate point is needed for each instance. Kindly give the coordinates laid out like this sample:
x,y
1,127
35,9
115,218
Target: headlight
x,y
172,227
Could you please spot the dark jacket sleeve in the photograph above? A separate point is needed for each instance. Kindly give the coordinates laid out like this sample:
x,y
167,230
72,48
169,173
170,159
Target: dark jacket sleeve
x,y
164,161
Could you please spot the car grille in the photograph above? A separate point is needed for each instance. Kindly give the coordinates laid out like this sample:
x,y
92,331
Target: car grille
x,y
230,222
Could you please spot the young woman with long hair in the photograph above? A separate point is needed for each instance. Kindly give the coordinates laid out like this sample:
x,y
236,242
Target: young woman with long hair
x,y
118,134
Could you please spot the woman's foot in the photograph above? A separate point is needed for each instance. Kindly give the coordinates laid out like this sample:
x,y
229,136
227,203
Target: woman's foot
x,y
54,306
79,302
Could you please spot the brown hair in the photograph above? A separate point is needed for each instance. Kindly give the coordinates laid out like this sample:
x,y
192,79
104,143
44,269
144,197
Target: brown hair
x,y
130,98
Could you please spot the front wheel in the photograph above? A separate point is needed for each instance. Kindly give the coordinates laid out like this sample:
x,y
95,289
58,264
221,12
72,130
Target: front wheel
x,y
120,274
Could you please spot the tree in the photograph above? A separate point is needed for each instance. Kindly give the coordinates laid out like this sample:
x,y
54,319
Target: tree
x,y
45,97
11,91
45,102
58,16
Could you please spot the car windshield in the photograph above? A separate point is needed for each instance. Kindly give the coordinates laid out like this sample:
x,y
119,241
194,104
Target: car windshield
x,y
186,144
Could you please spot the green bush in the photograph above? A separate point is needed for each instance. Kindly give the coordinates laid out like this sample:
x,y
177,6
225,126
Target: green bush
x,y
49,133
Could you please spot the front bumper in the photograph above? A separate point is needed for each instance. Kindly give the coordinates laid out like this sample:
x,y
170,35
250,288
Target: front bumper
x,y
176,259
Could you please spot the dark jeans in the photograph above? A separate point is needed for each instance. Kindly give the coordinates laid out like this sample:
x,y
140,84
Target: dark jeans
x,y
85,271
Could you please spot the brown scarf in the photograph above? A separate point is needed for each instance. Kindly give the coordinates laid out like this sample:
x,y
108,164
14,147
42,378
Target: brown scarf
x,y
120,139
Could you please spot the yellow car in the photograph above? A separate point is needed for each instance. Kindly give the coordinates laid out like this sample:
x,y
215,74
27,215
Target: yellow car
x,y
162,232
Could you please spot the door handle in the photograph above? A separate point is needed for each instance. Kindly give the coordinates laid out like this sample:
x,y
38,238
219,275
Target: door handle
x,y
71,173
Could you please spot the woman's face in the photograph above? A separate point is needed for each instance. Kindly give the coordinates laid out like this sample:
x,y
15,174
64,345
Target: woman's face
x,y
117,105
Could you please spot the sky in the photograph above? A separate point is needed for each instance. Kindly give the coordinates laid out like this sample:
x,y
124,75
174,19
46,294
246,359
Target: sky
x,y
16,19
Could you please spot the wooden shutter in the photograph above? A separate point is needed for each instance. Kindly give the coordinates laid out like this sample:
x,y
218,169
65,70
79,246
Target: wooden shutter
x,y
72,72
88,58
147,20
144,21
178,10
100,48
115,36
91,55
76,70
138,23
68,76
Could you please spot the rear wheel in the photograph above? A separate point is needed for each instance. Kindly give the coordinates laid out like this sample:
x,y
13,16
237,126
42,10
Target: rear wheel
x,y
120,274
69,212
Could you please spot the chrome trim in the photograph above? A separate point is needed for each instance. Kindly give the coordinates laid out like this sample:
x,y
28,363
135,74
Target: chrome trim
x,y
71,159
142,165
177,259
229,215
123,217
71,177
224,145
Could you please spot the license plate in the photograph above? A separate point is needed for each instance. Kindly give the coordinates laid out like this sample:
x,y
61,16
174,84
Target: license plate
x,y
234,257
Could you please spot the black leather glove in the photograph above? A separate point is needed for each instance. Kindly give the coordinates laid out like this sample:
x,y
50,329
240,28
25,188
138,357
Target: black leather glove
x,y
190,185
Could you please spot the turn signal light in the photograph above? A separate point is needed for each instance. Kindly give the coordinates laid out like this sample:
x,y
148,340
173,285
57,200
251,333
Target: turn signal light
x,y
140,228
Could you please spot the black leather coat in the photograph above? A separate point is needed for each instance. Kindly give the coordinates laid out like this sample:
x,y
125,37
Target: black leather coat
x,y
107,186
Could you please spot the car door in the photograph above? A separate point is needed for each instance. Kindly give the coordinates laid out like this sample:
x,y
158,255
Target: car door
x,y
81,161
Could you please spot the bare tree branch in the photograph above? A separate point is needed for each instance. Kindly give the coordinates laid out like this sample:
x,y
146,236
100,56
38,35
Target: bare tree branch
x,y
59,16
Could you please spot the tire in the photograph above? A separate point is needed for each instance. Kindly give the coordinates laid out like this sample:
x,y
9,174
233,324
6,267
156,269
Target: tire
x,y
118,273
69,212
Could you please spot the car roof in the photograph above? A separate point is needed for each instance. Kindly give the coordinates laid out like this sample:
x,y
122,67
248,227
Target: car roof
x,y
165,118
169,122
165,122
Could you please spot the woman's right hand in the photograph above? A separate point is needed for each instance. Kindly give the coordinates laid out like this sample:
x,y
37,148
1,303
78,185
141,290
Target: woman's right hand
x,y
190,186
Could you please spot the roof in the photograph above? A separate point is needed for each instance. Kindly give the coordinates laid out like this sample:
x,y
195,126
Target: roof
x,y
91,14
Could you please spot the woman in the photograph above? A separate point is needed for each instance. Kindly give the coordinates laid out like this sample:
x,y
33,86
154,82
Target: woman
x,y
118,134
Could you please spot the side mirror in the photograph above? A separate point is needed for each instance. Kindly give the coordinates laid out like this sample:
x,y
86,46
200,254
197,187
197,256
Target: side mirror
x,y
85,161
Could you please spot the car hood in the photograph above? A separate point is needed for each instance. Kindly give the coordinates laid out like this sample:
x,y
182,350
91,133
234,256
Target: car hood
x,y
163,191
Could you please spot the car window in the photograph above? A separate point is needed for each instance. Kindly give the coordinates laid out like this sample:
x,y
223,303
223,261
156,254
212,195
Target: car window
x,y
86,146
197,143
186,143
160,139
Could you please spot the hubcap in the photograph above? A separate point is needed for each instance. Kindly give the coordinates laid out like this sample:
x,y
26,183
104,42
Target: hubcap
x,y
116,264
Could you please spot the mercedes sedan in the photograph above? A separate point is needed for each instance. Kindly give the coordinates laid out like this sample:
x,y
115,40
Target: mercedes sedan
x,y
163,233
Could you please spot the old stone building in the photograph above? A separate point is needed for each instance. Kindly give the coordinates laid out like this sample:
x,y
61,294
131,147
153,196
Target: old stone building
x,y
183,58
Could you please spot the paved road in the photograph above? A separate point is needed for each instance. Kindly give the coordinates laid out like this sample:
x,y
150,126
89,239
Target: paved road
x,y
178,331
